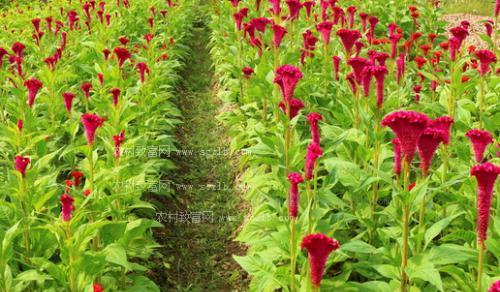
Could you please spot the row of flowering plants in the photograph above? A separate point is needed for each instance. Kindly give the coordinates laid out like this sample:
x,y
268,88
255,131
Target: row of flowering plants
x,y
85,98
372,132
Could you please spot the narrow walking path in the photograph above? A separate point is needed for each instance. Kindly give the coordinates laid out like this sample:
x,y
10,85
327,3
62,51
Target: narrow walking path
x,y
199,254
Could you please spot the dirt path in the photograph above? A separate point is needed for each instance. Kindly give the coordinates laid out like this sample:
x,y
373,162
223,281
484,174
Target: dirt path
x,y
199,254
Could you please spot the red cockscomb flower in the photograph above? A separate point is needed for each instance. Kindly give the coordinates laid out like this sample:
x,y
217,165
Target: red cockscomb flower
x,y
444,124
90,123
417,89
21,163
379,72
238,17
247,72
486,57
18,48
336,66
348,38
313,119
116,94
106,53
118,140
325,29
495,287
427,145
400,64
143,69
33,85
77,177
319,247
460,33
98,288
480,139
295,106
314,151
68,100
294,178
486,175
358,64
279,33
294,7
351,10
86,86
488,26
408,127
287,77
397,156
20,125
67,207
122,54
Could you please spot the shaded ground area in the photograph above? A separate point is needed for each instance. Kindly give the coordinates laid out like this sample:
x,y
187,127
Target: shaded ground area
x,y
198,242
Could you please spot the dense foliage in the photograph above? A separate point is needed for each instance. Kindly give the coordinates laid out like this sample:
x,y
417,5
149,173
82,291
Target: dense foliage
x,y
320,89
85,113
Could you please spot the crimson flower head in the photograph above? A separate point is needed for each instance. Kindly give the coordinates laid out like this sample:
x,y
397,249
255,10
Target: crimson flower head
x,y
417,89
295,179
460,33
480,139
90,123
33,85
397,156
67,207
143,69
77,176
486,175
18,48
68,100
238,17
123,40
495,287
444,124
325,28
86,86
351,10
260,23
358,64
427,146
21,164
336,66
20,125
314,151
247,72
488,25
36,24
122,54
118,140
420,61
313,119
295,106
408,127
287,77
486,57
294,7
400,63
379,73
106,53
279,33
319,247
98,288
100,77
116,94
348,38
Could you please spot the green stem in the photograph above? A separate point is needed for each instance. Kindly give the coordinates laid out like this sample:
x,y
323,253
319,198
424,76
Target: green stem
x,y
481,102
480,261
406,217
309,206
292,255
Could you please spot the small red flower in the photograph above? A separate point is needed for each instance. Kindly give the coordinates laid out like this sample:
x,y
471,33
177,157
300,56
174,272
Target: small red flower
x,y
314,151
313,119
86,86
325,28
319,247
295,106
295,179
495,287
68,100
379,72
287,77
116,94
397,156
91,123
247,72
486,175
77,176
444,124
20,125
118,140
427,145
348,38
18,48
87,192
480,139
408,127
294,7
279,33
486,57
67,207
33,85
358,64
143,69
21,164
336,66
122,54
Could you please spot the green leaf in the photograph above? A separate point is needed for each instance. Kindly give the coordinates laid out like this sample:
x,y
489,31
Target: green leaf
x,y
358,246
419,267
437,227
116,254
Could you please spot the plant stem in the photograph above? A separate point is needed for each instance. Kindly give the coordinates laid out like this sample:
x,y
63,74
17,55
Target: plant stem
x,y
481,101
480,260
309,206
406,215
421,224
292,255
26,229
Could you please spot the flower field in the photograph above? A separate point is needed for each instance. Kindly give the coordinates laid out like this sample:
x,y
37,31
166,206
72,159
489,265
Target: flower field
x,y
364,138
